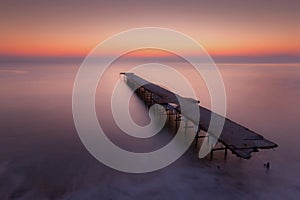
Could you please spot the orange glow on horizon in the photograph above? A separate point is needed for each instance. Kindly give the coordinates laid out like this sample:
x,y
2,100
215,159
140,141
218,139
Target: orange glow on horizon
x,y
223,28
84,51
151,53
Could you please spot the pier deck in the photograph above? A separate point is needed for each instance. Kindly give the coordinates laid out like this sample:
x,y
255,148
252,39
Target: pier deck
x,y
238,139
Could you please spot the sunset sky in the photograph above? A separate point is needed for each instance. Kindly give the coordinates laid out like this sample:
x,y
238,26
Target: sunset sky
x,y
224,28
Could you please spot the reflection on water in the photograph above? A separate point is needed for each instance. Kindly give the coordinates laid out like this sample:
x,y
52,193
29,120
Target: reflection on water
x,y
41,155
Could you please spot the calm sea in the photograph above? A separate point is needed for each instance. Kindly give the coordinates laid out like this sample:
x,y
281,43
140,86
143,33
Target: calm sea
x,y
42,157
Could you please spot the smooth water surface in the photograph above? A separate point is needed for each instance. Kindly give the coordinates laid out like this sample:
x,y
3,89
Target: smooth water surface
x,y
42,157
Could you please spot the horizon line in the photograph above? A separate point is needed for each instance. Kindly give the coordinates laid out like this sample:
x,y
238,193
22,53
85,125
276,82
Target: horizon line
x,y
271,58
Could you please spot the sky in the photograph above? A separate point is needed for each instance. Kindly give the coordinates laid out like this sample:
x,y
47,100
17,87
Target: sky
x,y
223,28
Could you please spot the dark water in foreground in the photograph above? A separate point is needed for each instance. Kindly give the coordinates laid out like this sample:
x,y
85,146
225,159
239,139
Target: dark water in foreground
x,y
42,157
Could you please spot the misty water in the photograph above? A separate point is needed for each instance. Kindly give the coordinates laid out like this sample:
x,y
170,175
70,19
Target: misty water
x,y
42,157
